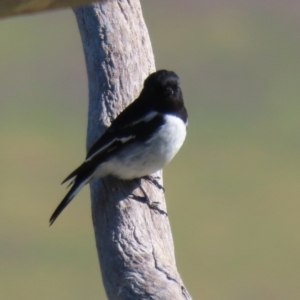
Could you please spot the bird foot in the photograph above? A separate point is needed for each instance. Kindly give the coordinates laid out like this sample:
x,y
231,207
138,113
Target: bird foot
x,y
154,181
145,199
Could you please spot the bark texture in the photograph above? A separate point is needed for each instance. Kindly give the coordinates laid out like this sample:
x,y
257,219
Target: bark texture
x,y
134,242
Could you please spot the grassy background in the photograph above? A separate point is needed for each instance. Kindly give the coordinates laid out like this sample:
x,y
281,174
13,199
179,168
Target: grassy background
x,y
232,191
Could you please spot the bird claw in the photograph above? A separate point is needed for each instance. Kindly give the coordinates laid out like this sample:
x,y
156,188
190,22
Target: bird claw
x,y
152,205
154,181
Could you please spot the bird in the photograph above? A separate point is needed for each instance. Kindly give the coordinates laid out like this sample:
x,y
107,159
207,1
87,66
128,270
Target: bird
x,y
141,140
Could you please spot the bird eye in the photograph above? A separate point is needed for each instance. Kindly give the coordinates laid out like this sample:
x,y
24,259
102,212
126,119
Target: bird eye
x,y
169,91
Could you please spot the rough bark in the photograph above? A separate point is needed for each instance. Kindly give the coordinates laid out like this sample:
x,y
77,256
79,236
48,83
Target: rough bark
x,y
134,242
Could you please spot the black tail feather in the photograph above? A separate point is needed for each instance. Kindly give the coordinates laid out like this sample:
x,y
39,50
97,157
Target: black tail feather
x,y
84,168
68,198
73,174
77,186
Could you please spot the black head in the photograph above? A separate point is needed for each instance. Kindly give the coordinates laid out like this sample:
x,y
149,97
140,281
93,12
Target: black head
x,y
163,90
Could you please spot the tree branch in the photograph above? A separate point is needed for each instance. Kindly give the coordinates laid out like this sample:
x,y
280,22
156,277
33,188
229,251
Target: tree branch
x,y
134,242
10,8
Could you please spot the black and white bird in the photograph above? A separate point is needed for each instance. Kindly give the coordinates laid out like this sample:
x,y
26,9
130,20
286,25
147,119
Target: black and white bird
x,y
140,141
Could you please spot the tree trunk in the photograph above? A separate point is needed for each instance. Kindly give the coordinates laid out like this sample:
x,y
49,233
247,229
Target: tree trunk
x,y
134,242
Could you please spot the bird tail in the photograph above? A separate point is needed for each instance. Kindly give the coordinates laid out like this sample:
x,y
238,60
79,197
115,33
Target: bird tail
x,y
84,167
78,183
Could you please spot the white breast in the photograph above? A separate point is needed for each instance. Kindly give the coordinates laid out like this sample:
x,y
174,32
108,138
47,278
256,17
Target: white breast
x,y
144,159
169,138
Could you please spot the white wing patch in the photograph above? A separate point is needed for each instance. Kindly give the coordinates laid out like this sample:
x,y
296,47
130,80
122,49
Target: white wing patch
x,y
146,118
124,140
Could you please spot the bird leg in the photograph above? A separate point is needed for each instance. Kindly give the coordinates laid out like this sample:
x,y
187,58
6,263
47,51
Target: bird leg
x,y
154,181
145,199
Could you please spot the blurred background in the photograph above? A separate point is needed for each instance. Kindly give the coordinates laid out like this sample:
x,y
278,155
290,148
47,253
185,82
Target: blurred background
x,y
232,191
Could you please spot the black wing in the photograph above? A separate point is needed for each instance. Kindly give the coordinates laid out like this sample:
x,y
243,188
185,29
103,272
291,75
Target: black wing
x,y
125,129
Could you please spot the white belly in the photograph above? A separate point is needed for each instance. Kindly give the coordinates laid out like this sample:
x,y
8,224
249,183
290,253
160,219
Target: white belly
x,y
144,159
